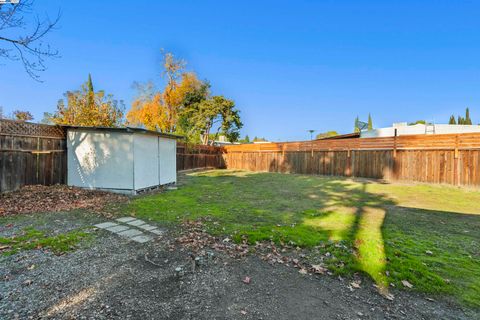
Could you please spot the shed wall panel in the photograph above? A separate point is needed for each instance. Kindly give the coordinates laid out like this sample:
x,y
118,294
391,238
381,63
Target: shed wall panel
x,y
101,160
168,160
146,161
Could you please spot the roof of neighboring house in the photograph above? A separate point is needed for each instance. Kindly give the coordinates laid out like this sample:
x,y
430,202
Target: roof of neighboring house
x,y
127,130
343,136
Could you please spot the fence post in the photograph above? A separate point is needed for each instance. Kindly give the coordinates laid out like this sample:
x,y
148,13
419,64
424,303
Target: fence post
x,y
395,144
456,171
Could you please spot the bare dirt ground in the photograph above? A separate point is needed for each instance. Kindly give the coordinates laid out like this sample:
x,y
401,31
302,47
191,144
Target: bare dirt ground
x,y
110,277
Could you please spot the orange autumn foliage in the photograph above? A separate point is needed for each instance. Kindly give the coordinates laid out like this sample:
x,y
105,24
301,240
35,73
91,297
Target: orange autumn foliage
x,y
160,110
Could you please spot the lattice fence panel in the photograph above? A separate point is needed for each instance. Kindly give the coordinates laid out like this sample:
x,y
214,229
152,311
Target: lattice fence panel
x,y
19,128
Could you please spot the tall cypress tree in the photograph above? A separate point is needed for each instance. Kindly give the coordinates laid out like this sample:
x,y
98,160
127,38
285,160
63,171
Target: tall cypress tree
x,y
356,128
370,123
452,120
91,93
90,83
467,117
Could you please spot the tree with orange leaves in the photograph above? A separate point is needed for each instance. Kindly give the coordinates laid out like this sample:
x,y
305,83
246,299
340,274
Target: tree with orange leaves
x,y
157,110
85,107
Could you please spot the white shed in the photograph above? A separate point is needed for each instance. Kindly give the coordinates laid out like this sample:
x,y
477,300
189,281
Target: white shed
x,y
124,160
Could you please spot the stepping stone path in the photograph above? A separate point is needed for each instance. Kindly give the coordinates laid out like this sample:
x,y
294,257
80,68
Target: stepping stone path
x,y
132,228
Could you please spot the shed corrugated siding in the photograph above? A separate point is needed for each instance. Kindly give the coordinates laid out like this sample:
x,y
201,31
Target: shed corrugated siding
x,y
100,159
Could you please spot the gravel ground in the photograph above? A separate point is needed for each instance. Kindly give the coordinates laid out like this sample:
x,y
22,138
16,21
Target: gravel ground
x,y
110,277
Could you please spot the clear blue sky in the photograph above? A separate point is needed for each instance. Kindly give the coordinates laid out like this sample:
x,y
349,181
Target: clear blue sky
x,y
289,65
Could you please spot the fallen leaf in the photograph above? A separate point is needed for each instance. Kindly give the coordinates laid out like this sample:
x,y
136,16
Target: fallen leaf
x,y
429,252
319,269
243,312
303,271
31,267
407,284
246,280
355,284
27,282
389,296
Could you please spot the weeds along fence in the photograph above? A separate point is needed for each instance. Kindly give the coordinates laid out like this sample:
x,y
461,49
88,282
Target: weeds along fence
x,y
31,154
198,156
447,158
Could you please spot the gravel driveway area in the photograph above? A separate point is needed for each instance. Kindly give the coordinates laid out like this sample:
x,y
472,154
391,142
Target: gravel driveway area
x,y
111,277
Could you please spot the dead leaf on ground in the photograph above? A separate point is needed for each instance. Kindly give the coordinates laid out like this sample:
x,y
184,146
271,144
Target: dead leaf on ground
x,y
303,271
407,284
246,280
55,198
319,269
27,282
389,296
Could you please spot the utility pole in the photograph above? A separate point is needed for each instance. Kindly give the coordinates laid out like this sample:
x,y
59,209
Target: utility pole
x,y
311,133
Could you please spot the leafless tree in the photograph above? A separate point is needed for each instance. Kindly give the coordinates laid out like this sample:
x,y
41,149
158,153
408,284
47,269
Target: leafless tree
x,y
22,33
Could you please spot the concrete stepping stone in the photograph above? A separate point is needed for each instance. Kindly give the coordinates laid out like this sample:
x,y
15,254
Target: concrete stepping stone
x,y
117,229
136,223
130,233
141,238
125,219
106,225
147,227
157,231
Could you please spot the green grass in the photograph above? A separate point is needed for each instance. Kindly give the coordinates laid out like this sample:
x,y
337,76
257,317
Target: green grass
x,y
31,238
383,230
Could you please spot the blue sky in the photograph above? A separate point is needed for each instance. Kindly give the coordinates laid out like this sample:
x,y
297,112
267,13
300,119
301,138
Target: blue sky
x,y
289,65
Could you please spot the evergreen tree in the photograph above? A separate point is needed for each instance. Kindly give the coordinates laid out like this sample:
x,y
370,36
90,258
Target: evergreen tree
x,y
461,120
90,93
90,83
356,128
247,139
452,120
467,117
370,123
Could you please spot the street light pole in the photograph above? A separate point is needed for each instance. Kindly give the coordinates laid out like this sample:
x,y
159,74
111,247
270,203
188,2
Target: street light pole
x,y
311,133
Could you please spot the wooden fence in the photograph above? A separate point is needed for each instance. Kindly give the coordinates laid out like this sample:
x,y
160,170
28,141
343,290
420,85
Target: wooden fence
x,y
450,158
194,157
31,154
36,154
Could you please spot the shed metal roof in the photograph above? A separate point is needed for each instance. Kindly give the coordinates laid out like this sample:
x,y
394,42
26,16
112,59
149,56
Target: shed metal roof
x,y
126,130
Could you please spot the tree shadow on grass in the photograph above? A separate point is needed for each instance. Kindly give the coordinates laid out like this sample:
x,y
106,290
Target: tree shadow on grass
x,y
306,210
383,239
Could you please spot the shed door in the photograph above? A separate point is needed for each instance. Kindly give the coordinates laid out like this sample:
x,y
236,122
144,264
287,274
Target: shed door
x,y
168,160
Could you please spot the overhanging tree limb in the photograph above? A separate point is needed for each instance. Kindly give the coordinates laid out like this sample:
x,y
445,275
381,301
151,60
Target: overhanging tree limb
x,y
19,45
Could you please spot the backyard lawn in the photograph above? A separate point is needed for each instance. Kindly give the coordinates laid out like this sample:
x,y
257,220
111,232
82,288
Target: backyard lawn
x,y
403,235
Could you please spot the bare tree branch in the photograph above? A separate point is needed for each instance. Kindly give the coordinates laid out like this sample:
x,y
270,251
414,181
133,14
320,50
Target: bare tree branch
x,y
18,44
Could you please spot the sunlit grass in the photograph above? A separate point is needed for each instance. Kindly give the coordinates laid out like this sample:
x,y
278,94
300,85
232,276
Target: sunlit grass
x,y
31,238
370,245
383,230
